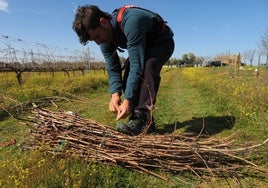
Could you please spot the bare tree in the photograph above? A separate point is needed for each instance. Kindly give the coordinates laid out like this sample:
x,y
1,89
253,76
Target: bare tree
x,y
264,45
248,56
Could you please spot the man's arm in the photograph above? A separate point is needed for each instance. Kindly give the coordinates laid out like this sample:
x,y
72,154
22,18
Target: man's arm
x,y
113,67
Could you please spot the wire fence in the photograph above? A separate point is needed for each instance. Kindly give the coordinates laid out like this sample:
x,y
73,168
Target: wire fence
x,y
33,56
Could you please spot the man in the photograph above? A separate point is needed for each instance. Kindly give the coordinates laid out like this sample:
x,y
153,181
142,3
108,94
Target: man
x,y
149,42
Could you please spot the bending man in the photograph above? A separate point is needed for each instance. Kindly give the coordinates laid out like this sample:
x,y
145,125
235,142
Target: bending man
x,y
149,43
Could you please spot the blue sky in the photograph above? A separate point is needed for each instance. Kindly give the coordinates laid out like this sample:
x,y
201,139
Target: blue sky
x,y
203,27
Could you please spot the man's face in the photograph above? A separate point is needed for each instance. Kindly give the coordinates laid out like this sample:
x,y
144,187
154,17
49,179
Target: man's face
x,y
102,34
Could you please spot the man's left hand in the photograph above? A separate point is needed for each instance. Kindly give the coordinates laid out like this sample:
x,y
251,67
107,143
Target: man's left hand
x,y
123,110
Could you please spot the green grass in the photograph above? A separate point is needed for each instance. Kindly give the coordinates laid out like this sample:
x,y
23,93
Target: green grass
x,y
225,102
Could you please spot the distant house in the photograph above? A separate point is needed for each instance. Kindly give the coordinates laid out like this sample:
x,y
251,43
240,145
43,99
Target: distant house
x,y
234,60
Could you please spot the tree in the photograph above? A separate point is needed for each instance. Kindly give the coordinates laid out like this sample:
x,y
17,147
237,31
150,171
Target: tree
x,y
188,59
199,61
264,45
172,62
248,56
192,58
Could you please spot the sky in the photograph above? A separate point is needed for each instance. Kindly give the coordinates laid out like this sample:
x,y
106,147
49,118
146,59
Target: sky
x,y
205,28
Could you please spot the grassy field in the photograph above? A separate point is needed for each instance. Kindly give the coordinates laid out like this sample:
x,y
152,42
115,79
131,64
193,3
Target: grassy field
x,y
228,102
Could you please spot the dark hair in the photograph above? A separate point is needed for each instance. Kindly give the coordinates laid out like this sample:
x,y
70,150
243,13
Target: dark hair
x,y
87,17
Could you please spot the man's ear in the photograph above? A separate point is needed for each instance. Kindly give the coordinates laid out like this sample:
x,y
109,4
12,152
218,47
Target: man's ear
x,y
103,22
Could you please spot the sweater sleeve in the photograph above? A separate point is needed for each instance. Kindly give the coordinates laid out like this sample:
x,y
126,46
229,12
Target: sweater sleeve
x,y
113,67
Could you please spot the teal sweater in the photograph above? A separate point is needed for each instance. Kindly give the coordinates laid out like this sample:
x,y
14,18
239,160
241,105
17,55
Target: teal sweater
x,y
140,29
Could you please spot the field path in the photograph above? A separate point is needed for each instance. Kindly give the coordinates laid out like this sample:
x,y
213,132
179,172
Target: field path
x,y
182,102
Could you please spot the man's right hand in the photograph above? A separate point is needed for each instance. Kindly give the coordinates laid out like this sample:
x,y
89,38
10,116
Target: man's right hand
x,y
115,102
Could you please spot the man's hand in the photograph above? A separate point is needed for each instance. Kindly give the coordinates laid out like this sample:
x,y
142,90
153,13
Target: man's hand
x,y
123,110
115,103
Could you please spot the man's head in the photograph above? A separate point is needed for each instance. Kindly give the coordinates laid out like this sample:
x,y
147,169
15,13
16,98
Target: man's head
x,y
92,24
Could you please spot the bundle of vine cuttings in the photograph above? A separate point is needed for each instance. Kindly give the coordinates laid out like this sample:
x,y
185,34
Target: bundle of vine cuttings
x,y
63,132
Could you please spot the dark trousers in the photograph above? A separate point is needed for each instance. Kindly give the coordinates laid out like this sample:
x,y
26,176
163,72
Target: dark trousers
x,y
157,55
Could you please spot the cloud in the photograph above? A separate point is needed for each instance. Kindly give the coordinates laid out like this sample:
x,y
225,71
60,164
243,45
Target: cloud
x,y
3,5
